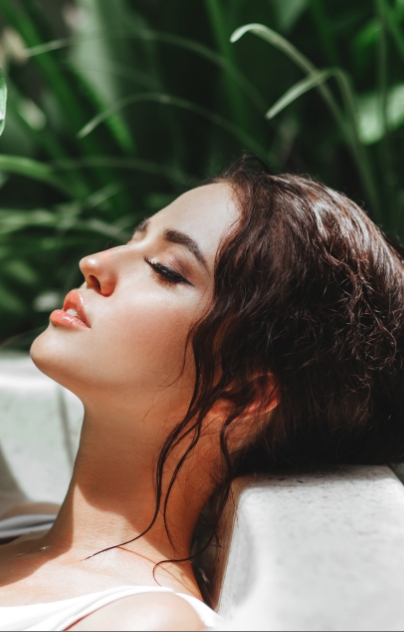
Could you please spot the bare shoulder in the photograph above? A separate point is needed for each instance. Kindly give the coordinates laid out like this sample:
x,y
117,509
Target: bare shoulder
x,y
148,611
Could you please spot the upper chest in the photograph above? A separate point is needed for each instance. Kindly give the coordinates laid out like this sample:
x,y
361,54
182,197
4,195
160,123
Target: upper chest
x,y
39,578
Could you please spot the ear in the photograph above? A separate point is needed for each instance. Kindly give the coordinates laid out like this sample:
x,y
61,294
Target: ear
x,y
266,398
246,427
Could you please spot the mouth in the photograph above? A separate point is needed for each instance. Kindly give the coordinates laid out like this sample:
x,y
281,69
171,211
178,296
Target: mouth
x,y
73,313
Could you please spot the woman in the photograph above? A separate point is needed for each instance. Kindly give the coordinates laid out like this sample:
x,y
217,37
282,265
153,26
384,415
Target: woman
x,y
257,322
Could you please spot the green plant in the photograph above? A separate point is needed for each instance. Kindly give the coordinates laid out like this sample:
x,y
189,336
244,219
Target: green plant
x,y
115,108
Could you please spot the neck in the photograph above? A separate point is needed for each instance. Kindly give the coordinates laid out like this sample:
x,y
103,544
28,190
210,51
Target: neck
x,y
112,500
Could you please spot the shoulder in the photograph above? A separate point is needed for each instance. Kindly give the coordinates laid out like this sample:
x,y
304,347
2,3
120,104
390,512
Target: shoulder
x,y
146,611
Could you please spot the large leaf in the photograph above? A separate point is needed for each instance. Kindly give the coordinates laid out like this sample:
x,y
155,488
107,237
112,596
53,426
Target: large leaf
x,y
3,102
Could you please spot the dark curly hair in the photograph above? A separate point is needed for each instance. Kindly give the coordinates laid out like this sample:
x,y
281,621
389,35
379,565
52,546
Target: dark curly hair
x,y
307,289
310,290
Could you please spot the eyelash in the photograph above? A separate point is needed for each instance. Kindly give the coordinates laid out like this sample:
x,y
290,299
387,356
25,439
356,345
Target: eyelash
x,y
167,274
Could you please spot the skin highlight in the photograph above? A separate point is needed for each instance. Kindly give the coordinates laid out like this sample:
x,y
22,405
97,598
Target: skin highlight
x,y
135,376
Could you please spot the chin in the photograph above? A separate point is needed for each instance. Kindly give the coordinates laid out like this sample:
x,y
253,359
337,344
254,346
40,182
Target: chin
x,y
51,352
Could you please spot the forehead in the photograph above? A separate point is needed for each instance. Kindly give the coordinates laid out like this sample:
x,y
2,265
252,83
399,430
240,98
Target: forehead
x,y
206,214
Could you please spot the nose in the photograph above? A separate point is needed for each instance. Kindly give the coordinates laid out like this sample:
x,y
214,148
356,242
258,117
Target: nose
x,y
99,272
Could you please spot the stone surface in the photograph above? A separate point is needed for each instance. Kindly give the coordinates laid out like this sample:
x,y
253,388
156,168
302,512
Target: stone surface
x,y
39,431
315,552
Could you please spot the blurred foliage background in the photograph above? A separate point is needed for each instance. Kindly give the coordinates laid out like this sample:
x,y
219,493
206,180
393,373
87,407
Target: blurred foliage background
x,y
115,107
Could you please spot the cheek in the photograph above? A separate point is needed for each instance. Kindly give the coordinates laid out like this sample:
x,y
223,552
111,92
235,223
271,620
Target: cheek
x,y
149,338
135,345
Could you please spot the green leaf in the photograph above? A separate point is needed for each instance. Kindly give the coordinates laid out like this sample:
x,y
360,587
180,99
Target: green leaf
x,y
173,174
117,126
393,25
350,128
102,228
12,221
49,47
103,88
20,271
10,302
367,36
371,124
300,88
32,169
3,102
99,198
288,12
165,38
399,9
283,45
156,201
165,99
219,19
279,42
45,139
325,31
59,77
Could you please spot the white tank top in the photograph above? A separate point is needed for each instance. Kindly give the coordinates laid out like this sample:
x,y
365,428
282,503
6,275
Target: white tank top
x,y
60,615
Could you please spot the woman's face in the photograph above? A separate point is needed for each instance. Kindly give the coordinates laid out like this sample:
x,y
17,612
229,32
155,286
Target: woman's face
x,y
136,307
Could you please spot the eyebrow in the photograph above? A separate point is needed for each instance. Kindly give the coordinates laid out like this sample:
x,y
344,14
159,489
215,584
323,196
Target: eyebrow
x,y
177,237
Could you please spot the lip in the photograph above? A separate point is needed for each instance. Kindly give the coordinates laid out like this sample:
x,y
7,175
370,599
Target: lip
x,y
61,318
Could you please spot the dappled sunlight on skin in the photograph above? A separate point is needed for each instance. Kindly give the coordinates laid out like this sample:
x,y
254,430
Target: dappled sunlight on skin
x,y
135,376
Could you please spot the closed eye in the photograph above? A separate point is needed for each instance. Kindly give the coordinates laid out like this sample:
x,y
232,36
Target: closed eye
x,y
167,274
